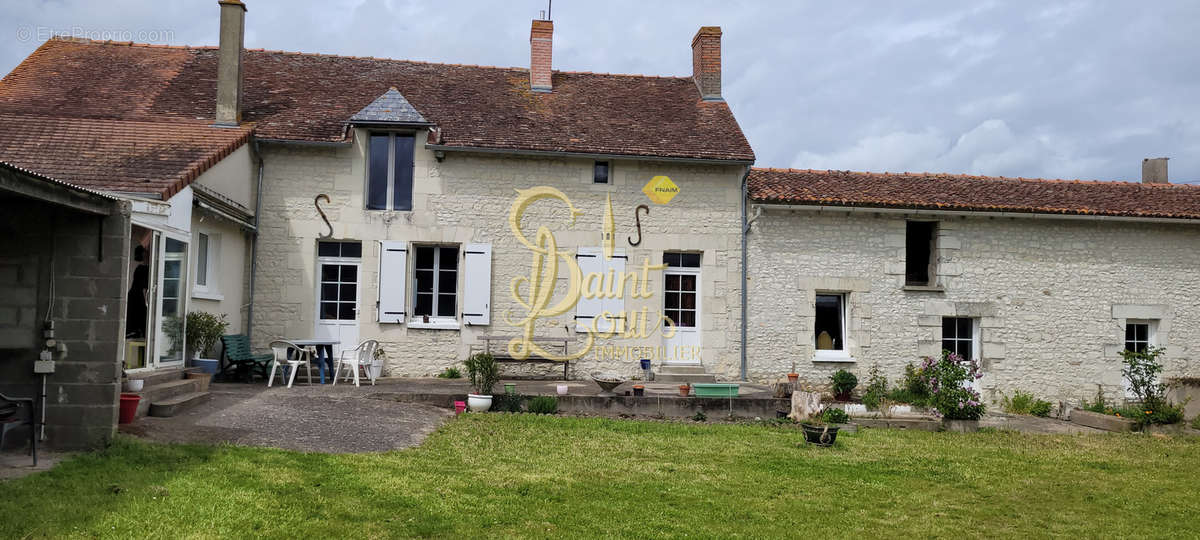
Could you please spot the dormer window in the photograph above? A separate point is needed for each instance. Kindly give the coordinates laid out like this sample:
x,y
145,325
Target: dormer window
x,y
390,171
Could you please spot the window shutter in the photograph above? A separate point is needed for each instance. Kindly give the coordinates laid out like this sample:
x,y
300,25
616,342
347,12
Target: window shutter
x,y
477,288
615,306
393,278
590,259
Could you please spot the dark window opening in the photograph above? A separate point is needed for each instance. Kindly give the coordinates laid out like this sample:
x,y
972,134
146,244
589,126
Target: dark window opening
x,y
600,173
920,238
1137,337
345,250
390,170
829,328
681,260
958,336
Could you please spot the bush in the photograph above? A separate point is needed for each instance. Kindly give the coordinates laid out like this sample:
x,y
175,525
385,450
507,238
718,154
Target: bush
x,y
914,384
1196,422
947,379
700,417
203,331
543,405
450,373
483,372
834,415
1141,371
1025,403
844,382
877,388
507,402
903,395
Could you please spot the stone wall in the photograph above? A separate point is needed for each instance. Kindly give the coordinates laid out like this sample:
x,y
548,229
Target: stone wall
x,y
41,243
1051,296
466,199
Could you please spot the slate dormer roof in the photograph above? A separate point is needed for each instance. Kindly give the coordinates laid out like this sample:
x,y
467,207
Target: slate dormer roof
x,y
389,109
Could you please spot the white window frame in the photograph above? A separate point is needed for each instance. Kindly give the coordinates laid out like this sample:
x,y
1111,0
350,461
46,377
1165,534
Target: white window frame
x,y
1151,332
975,340
833,355
210,290
436,322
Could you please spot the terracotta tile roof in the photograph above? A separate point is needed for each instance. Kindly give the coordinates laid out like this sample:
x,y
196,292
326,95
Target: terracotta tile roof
x,y
311,97
931,191
116,155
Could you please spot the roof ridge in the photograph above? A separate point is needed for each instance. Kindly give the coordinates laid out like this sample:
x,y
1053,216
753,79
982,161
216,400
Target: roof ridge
x,y
977,177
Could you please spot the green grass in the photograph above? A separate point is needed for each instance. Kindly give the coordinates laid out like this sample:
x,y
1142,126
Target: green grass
x,y
540,476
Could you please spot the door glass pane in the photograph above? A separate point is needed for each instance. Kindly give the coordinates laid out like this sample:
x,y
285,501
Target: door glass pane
x,y
687,319
687,283
346,311
171,344
329,291
349,292
377,176
328,310
349,273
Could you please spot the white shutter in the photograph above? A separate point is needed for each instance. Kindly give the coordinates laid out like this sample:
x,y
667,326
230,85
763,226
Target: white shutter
x,y
393,280
615,306
477,288
590,260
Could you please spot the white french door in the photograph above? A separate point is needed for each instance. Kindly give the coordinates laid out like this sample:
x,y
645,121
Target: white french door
x,y
681,304
168,293
338,294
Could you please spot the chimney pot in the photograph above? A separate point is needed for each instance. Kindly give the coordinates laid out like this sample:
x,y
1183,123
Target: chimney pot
x,y
229,62
706,62
541,41
1154,171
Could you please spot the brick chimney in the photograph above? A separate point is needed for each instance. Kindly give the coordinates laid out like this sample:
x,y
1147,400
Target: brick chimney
x,y
706,62
229,62
1154,170
541,42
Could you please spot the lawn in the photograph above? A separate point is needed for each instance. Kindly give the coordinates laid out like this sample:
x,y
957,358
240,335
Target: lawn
x,y
534,476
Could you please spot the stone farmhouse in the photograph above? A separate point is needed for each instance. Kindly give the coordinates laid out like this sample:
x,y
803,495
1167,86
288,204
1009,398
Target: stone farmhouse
x,y
434,206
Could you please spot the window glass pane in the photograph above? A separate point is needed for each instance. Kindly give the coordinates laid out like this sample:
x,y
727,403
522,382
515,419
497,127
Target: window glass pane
x,y
170,306
448,258
328,249
1130,333
964,348
1143,332
329,291
671,259
447,282
377,175
352,250
349,292
329,272
346,311
690,260
964,328
600,172
328,310
424,280
949,329
402,181
425,258
202,259
424,304
828,328
445,305
349,273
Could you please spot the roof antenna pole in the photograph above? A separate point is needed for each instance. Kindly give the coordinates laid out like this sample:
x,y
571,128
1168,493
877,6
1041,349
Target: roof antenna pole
x,y
549,9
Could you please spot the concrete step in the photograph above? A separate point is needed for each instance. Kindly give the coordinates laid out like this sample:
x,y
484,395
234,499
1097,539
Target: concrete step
x,y
677,369
689,374
158,376
174,405
165,390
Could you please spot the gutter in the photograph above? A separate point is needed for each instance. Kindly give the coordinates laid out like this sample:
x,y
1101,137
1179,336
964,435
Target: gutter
x,y
254,242
972,213
745,259
551,153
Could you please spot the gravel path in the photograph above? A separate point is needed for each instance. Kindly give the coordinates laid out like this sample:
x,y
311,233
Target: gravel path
x,y
328,419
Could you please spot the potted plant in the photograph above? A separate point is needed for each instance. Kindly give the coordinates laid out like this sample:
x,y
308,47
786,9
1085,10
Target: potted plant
x,y
843,384
685,389
639,389
821,429
484,373
792,375
203,331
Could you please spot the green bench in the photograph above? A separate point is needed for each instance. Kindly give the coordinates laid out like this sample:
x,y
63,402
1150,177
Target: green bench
x,y
240,359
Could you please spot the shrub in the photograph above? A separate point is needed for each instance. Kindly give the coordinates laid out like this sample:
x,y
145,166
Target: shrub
x,y
1141,371
203,331
877,388
948,378
1196,422
450,373
507,402
834,415
844,382
1025,403
700,417
483,372
914,384
543,405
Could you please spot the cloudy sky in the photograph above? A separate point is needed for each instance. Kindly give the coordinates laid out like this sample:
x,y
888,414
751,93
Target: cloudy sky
x,y
1071,89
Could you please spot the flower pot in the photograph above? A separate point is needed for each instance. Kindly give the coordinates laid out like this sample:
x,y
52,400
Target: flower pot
x,y
129,403
820,435
204,378
639,390
684,389
645,362
793,377
459,407
510,388
479,403
208,365
134,385
562,389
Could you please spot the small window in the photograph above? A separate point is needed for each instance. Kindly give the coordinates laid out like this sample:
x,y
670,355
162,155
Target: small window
x,y
435,280
600,173
958,336
1139,336
830,329
390,171
919,260
201,260
681,260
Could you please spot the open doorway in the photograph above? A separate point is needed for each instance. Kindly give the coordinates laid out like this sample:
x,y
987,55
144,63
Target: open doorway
x,y
156,300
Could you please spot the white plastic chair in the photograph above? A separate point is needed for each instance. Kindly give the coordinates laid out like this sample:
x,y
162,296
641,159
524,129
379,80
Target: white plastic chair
x,y
361,357
297,357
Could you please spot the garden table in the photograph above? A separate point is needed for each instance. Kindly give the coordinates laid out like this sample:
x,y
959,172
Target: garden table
x,y
324,347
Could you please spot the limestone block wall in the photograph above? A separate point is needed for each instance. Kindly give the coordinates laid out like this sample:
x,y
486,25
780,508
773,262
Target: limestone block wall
x,y
1051,296
466,199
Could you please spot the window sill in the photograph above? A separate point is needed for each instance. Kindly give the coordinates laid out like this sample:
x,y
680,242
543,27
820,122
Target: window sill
x,y
206,295
833,357
924,288
435,324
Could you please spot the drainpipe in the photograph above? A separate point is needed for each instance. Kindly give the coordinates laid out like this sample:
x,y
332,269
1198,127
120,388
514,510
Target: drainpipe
x,y
254,242
745,233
